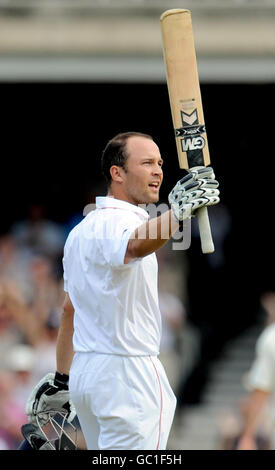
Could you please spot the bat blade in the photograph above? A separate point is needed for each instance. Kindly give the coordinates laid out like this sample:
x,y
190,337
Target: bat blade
x,y
185,101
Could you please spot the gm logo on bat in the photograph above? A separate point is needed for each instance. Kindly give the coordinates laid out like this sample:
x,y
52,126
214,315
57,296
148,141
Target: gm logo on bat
x,y
192,143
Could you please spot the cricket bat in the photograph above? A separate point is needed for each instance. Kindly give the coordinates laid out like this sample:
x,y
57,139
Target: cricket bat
x,y
185,102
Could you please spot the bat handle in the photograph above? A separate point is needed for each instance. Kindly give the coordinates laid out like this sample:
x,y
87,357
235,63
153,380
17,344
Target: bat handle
x,y
207,244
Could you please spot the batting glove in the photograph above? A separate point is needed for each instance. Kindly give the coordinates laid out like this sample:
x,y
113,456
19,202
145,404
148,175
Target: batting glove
x,y
50,394
195,190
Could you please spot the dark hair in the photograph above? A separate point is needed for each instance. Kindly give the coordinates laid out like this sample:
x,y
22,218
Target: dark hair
x,y
115,153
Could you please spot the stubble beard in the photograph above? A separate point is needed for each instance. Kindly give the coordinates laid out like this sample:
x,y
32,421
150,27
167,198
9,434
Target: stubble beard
x,y
139,198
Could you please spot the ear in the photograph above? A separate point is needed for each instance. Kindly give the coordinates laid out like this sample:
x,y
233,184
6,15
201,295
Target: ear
x,y
116,173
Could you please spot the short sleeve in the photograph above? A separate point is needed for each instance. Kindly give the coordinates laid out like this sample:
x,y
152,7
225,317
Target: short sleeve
x,y
117,232
261,375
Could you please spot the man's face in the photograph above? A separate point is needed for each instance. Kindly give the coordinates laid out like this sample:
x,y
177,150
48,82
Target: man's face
x,y
143,175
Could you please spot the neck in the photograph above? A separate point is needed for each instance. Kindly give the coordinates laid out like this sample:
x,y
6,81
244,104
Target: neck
x,y
120,195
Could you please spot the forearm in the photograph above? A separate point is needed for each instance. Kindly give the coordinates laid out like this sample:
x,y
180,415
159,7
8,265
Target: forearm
x,y
64,347
151,236
257,400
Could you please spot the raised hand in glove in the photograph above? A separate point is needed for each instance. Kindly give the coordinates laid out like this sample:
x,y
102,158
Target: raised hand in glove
x,y
197,189
50,394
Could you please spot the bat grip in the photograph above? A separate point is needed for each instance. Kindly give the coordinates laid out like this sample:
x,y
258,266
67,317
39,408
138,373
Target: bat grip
x,y
207,244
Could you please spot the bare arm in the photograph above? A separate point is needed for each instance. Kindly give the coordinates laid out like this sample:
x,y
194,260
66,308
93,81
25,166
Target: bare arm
x,y
151,236
64,347
257,399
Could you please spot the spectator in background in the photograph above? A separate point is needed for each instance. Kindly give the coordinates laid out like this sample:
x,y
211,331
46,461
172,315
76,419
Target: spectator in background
x,y
31,293
16,383
37,234
14,264
261,382
45,350
21,368
15,319
48,291
20,362
26,308
12,416
78,215
48,296
28,331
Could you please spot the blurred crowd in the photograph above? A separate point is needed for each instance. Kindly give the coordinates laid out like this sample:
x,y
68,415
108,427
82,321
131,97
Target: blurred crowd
x,y
31,296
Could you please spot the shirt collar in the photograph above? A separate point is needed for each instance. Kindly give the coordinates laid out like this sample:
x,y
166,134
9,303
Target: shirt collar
x,y
112,203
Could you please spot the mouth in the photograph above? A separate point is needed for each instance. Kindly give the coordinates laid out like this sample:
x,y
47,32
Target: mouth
x,y
155,186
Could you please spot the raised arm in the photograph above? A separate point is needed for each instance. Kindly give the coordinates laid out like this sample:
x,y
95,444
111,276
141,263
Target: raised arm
x,y
151,236
193,191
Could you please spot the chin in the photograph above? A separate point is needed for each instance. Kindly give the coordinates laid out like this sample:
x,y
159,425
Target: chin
x,y
153,199
147,199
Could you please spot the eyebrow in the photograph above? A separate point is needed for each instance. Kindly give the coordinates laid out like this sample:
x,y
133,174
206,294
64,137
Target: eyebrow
x,y
151,159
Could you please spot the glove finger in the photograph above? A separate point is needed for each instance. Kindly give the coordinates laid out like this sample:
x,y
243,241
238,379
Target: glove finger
x,y
70,409
202,172
199,202
191,186
199,193
212,201
200,183
182,191
40,406
177,196
32,400
203,201
208,192
208,183
43,418
186,179
45,405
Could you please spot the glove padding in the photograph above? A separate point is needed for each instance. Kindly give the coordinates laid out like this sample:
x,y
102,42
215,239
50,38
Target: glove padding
x,y
195,190
49,395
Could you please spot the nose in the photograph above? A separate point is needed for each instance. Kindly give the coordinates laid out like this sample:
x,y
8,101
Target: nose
x,y
157,170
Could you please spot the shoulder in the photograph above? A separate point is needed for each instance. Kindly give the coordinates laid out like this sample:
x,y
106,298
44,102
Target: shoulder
x,y
266,340
72,234
117,220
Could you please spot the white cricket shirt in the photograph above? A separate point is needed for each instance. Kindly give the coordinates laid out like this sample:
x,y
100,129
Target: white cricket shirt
x,y
116,304
262,372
